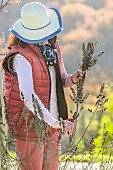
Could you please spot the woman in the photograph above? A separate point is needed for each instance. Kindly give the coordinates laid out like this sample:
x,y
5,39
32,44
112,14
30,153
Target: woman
x,y
34,78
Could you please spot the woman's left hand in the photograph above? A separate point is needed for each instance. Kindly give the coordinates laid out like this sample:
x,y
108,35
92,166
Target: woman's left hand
x,y
79,74
70,130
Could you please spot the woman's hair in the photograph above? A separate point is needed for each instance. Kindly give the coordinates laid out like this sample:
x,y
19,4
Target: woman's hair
x,y
13,40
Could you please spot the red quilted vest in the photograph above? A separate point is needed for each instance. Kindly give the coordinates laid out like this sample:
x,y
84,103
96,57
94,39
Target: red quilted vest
x,y
41,81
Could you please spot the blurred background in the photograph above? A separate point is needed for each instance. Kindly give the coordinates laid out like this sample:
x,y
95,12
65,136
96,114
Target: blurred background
x,y
83,21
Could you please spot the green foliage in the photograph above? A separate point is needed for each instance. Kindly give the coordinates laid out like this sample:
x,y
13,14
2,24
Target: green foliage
x,y
13,155
109,104
85,158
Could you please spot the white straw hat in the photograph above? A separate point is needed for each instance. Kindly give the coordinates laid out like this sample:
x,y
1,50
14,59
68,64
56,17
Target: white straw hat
x,y
37,23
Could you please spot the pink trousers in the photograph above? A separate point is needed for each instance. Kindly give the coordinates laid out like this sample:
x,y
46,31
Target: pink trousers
x,y
33,157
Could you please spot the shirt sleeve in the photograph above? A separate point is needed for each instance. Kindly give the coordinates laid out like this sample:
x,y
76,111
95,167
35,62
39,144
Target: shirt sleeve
x,y
25,79
66,78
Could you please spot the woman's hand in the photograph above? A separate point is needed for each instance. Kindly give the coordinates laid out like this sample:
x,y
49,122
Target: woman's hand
x,y
67,127
78,75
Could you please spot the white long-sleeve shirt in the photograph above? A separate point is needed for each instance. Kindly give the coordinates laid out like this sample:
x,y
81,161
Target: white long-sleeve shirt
x,y
25,79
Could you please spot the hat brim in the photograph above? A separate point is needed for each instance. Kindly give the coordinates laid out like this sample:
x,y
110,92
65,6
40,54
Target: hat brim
x,y
39,35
